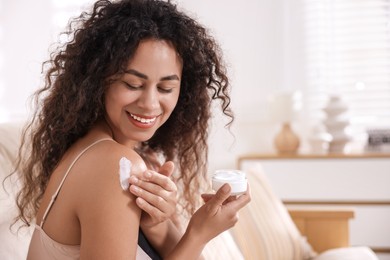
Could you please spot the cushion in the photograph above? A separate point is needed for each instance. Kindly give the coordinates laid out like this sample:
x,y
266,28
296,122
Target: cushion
x,y
13,243
348,253
265,229
222,247
10,139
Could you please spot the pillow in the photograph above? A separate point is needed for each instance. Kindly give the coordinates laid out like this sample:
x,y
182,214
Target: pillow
x,y
265,229
222,247
348,253
10,134
13,243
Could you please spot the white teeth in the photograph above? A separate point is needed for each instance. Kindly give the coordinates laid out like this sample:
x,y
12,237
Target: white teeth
x,y
143,120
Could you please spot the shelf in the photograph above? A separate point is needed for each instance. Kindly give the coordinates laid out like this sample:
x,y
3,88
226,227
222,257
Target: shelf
x,y
275,156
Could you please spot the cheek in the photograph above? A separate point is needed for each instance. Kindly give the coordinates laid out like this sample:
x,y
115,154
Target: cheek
x,y
172,102
116,97
113,102
108,103
109,110
168,105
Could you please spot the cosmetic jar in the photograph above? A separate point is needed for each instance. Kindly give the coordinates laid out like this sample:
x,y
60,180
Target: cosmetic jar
x,y
235,178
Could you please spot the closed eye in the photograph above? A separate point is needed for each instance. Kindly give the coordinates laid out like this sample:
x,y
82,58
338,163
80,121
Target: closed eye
x,y
132,87
165,90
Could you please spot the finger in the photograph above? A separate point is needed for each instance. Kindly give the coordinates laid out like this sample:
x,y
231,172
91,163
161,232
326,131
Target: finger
x,y
151,191
230,199
156,201
167,168
241,201
207,197
152,177
222,194
150,209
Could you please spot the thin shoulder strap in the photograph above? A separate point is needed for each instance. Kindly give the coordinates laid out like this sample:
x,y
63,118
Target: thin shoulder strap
x,y
54,197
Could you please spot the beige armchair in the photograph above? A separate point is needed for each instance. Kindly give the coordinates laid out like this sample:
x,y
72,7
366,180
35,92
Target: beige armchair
x,y
269,230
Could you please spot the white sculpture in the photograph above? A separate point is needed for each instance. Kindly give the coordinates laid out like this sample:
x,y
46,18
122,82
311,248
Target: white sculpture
x,y
336,123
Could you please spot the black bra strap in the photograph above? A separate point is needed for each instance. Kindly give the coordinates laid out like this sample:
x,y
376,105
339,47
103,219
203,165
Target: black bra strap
x,y
147,247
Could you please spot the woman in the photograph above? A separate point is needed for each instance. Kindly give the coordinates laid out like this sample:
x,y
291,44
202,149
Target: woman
x,y
129,91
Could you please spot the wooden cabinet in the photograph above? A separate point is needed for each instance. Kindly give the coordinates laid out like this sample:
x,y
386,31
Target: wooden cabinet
x,y
324,228
360,181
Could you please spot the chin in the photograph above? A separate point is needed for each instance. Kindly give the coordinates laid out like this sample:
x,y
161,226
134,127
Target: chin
x,y
142,138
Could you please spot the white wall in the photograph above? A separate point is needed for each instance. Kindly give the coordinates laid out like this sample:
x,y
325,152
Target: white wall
x,y
23,42
262,42
260,39
26,34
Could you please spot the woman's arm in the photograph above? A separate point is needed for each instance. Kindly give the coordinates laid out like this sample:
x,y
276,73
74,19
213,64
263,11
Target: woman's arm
x,y
216,216
108,216
157,198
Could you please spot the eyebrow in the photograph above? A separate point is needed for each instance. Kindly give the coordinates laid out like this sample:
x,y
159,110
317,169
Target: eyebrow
x,y
143,76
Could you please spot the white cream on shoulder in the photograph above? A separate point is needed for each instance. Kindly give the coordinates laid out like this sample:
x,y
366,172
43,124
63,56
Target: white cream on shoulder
x,y
124,172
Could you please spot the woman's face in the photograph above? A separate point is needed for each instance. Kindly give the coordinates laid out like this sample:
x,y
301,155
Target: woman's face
x,y
143,98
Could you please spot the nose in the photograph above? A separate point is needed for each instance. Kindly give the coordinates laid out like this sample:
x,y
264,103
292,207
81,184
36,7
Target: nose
x,y
149,98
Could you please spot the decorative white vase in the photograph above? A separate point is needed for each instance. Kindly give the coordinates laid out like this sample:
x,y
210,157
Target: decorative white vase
x,y
319,140
336,123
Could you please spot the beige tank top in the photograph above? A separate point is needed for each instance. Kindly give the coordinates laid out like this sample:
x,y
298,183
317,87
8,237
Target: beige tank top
x,y
43,247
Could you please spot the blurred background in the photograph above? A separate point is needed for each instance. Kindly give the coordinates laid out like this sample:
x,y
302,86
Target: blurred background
x,y
319,68
318,48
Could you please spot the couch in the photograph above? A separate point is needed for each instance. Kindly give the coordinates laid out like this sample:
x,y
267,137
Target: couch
x,y
266,228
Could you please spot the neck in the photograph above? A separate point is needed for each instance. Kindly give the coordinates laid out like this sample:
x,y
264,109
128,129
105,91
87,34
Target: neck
x,y
106,128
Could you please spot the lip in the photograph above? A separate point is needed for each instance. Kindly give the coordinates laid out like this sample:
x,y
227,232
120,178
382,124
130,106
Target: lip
x,y
139,124
143,116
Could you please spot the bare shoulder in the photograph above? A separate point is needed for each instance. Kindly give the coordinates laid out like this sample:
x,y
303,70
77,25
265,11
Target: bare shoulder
x,y
109,154
98,170
94,179
108,214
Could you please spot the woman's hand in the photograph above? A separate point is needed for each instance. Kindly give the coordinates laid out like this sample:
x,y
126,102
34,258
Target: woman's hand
x,y
156,194
219,213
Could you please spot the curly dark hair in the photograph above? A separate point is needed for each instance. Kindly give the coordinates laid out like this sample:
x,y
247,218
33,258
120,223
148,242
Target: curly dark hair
x,y
77,74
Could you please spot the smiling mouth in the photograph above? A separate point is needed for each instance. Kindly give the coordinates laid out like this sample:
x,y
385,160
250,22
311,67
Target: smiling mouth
x,y
142,119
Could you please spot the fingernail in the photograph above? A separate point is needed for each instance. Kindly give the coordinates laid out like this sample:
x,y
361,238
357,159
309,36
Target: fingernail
x,y
134,188
140,201
226,188
147,174
133,179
